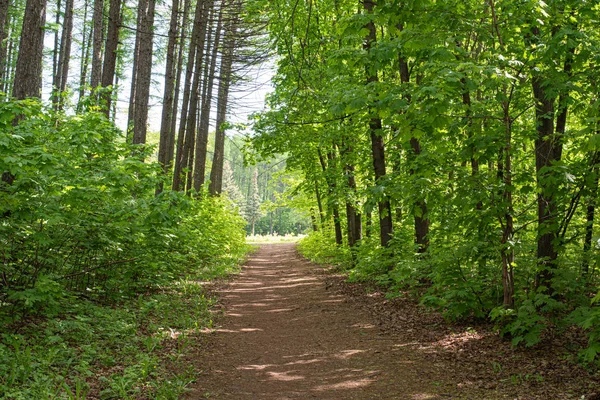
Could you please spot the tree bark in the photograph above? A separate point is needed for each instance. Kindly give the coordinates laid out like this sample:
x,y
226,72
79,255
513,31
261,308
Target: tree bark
x,y
202,140
353,217
168,93
4,23
85,55
110,52
377,143
421,218
506,247
180,52
28,73
64,56
229,42
56,48
331,185
143,66
98,36
181,156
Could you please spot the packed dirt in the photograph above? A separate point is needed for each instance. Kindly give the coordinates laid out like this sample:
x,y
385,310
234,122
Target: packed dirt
x,y
291,330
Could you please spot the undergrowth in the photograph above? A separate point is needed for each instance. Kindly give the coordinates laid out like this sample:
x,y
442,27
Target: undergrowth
x,y
99,292
461,282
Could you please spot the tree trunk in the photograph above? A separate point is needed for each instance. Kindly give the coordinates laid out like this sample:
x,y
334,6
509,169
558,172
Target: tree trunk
x,y
331,184
180,156
4,24
377,143
547,152
168,92
62,72
110,52
194,111
319,204
85,56
28,73
506,246
202,140
421,219
98,36
353,217
56,48
180,52
229,42
143,66
589,226
9,70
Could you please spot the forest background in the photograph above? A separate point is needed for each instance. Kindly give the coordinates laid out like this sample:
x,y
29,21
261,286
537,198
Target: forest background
x,y
447,151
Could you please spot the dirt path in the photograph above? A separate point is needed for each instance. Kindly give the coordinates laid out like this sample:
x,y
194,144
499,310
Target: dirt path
x,y
290,333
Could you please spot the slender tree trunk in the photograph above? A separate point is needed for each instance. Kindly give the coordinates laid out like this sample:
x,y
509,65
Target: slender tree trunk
x,y
319,204
180,52
377,142
168,93
143,66
98,36
56,49
589,226
4,24
110,52
547,152
507,249
331,185
193,114
180,156
229,42
353,217
591,208
421,219
85,57
64,58
202,141
9,70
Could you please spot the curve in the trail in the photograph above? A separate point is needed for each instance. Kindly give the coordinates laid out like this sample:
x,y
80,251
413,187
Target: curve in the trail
x,y
285,336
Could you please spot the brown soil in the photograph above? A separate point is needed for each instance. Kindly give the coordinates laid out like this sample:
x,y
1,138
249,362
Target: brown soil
x,y
292,331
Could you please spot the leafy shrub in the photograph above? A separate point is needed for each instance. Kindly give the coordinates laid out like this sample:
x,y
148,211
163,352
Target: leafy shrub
x,y
321,248
81,227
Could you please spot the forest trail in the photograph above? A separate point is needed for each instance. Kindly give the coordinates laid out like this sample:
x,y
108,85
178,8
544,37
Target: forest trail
x,y
287,335
293,331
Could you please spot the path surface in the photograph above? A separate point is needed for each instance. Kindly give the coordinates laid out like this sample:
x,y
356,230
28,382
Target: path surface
x,y
285,336
290,331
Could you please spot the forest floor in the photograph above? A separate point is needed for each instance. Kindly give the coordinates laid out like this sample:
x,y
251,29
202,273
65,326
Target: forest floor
x,y
296,330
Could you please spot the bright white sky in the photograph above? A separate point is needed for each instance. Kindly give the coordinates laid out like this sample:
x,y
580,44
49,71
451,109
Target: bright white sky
x,y
245,98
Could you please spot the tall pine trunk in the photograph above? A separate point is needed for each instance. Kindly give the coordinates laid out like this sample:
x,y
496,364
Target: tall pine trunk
x,y
87,35
98,36
143,70
229,42
180,155
169,90
110,53
28,72
4,24
62,71
203,126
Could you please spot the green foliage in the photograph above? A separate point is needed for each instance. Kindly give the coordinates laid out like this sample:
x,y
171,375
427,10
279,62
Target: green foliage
x,y
321,248
107,268
499,192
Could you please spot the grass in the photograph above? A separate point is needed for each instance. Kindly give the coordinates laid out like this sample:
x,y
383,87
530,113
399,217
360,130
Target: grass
x,y
134,349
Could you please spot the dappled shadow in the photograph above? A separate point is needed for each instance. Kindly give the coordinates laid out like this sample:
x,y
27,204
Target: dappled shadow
x,y
286,336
